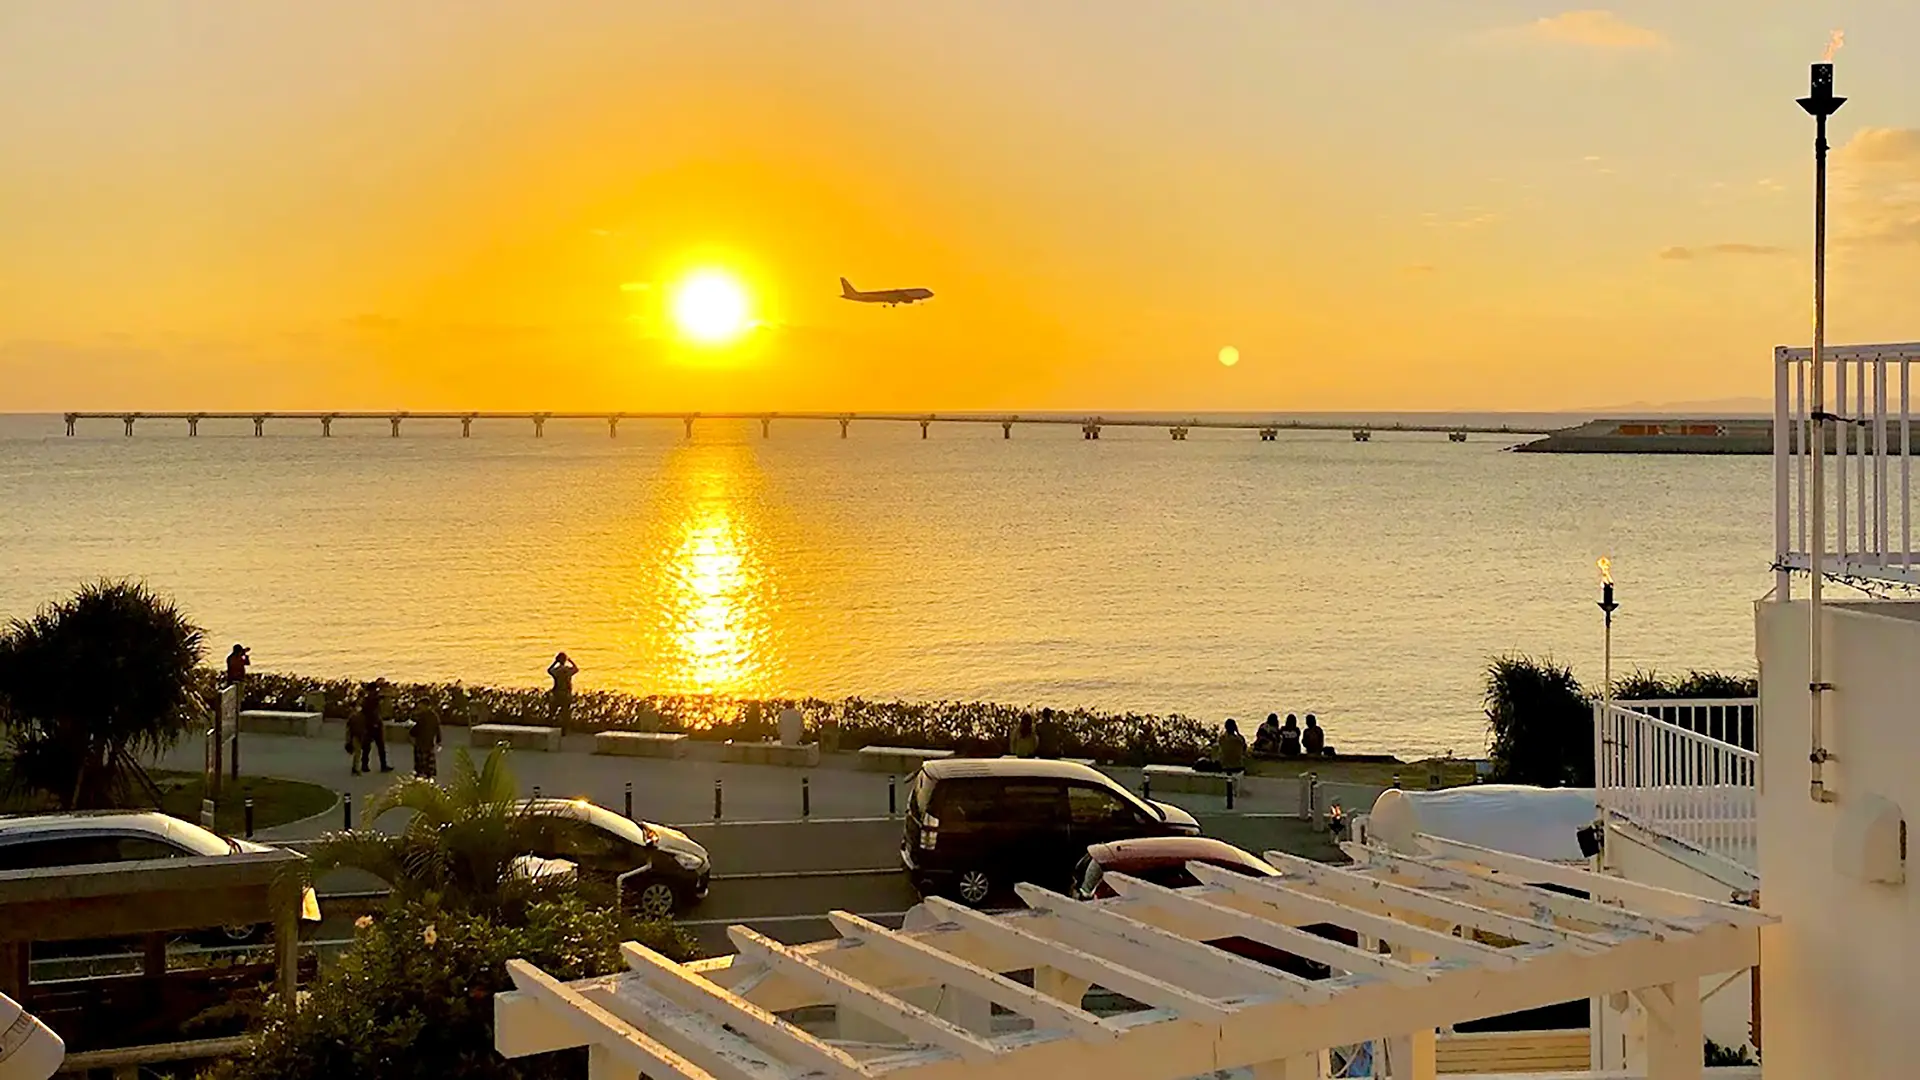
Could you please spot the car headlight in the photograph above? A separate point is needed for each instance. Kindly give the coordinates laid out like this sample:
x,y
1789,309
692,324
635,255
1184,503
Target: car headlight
x,y
689,861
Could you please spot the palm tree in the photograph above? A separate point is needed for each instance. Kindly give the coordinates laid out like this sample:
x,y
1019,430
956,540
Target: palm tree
x,y
89,684
460,846
1541,722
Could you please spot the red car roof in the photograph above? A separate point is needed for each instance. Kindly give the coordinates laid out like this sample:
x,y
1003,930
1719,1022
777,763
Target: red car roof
x,y
1158,851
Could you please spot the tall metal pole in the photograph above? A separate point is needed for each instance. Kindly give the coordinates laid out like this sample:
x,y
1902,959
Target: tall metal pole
x,y
1820,104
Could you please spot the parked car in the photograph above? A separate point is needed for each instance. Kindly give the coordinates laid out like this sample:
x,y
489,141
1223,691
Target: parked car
x,y
1163,861
90,838
977,826
654,871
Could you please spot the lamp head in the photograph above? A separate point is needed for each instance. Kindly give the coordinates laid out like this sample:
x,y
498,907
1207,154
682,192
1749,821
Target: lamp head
x,y
1820,100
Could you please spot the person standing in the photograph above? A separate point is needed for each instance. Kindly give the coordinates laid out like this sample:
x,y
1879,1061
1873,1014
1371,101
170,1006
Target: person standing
x,y
370,734
237,662
357,736
426,742
563,670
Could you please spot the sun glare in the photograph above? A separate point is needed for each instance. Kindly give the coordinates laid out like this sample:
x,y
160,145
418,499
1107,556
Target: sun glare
x,y
710,307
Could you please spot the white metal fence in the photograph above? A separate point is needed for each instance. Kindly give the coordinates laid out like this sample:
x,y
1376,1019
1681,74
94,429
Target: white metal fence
x,y
1869,442
1679,768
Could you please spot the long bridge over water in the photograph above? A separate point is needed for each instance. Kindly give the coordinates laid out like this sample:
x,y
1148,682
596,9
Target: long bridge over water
x,y
1090,426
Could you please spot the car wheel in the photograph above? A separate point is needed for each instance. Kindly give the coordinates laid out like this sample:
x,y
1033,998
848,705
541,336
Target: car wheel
x,y
654,900
235,935
973,887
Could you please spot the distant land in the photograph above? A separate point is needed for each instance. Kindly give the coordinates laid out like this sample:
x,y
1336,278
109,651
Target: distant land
x,y
1732,406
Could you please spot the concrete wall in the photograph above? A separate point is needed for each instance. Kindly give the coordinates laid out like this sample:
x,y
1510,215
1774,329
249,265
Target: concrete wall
x,y
1838,976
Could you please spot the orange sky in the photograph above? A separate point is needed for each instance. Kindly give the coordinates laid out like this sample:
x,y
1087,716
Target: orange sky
x,y
423,204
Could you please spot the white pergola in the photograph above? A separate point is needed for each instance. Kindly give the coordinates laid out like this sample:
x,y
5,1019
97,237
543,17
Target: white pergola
x,y
1453,934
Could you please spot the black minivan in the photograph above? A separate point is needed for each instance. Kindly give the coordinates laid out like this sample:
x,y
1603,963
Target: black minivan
x,y
977,826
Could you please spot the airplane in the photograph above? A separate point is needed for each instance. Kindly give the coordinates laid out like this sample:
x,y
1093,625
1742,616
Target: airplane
x,y
889,297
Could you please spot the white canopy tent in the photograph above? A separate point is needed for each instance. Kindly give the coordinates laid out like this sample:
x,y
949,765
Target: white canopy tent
x,y
1452,934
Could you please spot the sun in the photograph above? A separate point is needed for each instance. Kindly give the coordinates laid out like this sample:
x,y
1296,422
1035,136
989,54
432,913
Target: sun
x,y
711,307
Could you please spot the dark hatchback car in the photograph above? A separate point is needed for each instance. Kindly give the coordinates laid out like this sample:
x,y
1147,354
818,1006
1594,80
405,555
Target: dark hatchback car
x,y
977,826
1163,861
655,871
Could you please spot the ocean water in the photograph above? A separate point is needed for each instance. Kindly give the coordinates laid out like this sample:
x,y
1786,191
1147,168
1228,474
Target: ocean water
x,y
1369,583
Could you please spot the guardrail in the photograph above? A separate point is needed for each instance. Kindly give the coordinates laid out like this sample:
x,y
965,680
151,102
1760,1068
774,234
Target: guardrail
x,y
1678,781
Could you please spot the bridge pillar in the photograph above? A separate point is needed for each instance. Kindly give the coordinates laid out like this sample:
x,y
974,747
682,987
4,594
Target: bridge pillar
x,y
766,426
193,426
466,427
1456,436
71,419
1090,430
923,427
394,422
844,424
1179,434
539,426
259,426
1269,434
688,420
128,420
326,427
1006,429
613,427
1362,435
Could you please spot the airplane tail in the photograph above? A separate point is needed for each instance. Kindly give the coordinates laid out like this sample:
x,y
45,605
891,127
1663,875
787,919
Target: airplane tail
x,y
846,288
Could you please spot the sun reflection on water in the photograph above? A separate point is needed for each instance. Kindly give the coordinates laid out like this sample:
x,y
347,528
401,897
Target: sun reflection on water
x,y
716,597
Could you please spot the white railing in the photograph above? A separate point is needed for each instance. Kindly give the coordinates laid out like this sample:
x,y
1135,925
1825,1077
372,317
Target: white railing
x,y
1680,769
1868,444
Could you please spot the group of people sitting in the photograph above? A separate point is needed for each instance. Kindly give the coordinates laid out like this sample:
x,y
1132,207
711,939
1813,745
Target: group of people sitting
x,y
1289,740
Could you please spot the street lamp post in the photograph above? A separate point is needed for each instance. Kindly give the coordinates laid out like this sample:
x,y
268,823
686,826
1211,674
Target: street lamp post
x,y
1819,103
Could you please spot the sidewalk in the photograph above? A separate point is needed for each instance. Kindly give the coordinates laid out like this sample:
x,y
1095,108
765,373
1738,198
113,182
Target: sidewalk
x,y
673,792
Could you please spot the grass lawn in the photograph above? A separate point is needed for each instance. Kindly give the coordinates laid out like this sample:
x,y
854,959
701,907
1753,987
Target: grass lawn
x,y
275,802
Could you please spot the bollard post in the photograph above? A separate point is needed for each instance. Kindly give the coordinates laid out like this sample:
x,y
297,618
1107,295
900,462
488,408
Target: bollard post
x,y
629,800
1146,787
893,806
536,791
1396,780
1311,791
247,809
716,799
233,754
1232,782
806,799
346,810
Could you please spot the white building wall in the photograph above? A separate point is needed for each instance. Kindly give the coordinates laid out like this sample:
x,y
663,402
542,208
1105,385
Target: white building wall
x,y
1840,976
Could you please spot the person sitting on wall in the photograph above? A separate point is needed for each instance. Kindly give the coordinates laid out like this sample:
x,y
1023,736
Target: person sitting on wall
x,y
1290,737
1025,742
1314,739
1266,739
1232,751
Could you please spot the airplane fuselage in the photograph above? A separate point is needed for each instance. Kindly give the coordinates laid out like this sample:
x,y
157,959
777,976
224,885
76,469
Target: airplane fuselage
x,y
889,297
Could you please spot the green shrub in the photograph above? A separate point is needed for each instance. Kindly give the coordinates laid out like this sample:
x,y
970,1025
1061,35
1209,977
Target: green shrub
x,y
412,997
1541,724
1652,686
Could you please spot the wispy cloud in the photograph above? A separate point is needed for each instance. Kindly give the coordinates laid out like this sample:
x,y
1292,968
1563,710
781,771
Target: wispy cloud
x,y
1591,28
1684,253
1473,219
1877,173
1419,268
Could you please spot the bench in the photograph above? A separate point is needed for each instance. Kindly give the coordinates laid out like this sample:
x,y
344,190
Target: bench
x,y
898,759
515,736
281,722
1184,779
666,744
796,755
1512,1052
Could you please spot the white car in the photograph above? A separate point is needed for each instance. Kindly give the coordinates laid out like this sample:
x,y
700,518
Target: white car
x,y
91,838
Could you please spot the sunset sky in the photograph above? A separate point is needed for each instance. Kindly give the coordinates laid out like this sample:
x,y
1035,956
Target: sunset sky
x,y
1380,204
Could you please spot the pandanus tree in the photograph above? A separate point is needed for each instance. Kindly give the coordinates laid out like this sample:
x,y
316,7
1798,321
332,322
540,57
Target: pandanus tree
x,y
1541,724
90,684
460,845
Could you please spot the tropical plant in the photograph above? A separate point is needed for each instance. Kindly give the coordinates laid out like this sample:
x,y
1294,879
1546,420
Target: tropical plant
x,y
458,849
1718,1056
1652,686
412,997
1541,724
91,683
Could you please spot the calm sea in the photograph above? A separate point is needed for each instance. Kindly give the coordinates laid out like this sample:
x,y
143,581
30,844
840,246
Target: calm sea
x,y
1223,576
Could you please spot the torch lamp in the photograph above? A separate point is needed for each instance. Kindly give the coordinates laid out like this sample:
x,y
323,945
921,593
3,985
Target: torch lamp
x,y
1607,608
1819,103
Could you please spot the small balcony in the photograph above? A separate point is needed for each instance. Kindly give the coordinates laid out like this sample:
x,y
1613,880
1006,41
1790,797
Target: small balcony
x,y
1684,770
